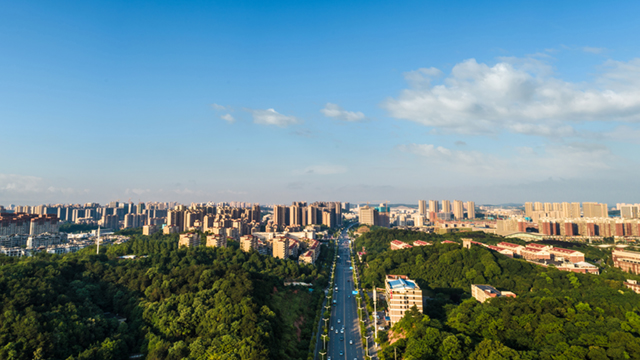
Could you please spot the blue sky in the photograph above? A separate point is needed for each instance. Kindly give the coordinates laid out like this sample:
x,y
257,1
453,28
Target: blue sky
x,y
356,101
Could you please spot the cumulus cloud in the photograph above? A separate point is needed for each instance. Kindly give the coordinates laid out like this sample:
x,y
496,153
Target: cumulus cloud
x,y
517,95
228,118
337,112
272,117
325,169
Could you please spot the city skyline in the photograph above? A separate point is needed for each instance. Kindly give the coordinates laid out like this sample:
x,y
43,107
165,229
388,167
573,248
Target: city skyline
x,y
279,102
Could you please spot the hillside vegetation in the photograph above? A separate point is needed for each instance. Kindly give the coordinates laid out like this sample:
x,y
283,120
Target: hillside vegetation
x,y
556,315
201,303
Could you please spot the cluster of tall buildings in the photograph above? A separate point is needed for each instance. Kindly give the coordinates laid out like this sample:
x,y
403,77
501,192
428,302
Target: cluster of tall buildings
x,y
573,220
537,210
281,246
219,220
299,214
458,210
27,224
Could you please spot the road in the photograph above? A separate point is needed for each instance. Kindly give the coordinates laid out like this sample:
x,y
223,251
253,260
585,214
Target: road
x,y
345,311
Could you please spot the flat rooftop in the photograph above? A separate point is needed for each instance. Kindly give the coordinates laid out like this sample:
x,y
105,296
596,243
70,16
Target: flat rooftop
x,y
402,284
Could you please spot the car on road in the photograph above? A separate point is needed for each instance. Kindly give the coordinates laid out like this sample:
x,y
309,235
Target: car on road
x,y
341,353
338,321
342,331
350,342
332,328
341,338
336,331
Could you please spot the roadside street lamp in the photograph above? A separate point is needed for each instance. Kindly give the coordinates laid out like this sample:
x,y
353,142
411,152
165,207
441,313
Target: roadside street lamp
x,y
324,340
323,354
325,322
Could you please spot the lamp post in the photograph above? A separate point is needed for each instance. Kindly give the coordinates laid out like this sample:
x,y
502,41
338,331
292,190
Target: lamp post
x,y
323,354
324,340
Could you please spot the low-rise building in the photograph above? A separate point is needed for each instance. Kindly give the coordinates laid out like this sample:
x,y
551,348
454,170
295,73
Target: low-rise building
x,y
421,243
216,240
189,240
633,285
626,260
580,267
248,243
401,294
484,292
398,245
150,229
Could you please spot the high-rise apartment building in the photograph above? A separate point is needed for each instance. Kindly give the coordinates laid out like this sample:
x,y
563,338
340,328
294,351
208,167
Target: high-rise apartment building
x,y
368,215
471,210
528,209
458,210
434,207
281,215
422,207
401,294
629,211
595,210
446,206
538,206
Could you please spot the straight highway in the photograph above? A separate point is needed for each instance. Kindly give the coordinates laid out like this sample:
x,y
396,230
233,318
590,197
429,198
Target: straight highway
x,y
344,333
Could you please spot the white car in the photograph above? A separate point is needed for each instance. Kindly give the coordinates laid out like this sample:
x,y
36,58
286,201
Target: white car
x,y
342,331
338,321
350,342
332,328
336,331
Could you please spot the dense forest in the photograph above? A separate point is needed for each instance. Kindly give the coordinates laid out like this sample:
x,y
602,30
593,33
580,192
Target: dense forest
x,y
167,303
556,315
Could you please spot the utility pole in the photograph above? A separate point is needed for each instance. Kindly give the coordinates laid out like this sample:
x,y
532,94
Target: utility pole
x,y
98,241
375,314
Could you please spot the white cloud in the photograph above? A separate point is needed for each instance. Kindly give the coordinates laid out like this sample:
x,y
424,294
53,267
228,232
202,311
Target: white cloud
x,y
26,184
228,118
218,107
337,112
20,183
325,169
517,95
571,160
272,117
593,50
137,191
623,133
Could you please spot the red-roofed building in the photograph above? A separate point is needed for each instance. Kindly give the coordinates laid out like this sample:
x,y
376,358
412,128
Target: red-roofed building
x,y
513,247
398,245
502,251
571,255
449,242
